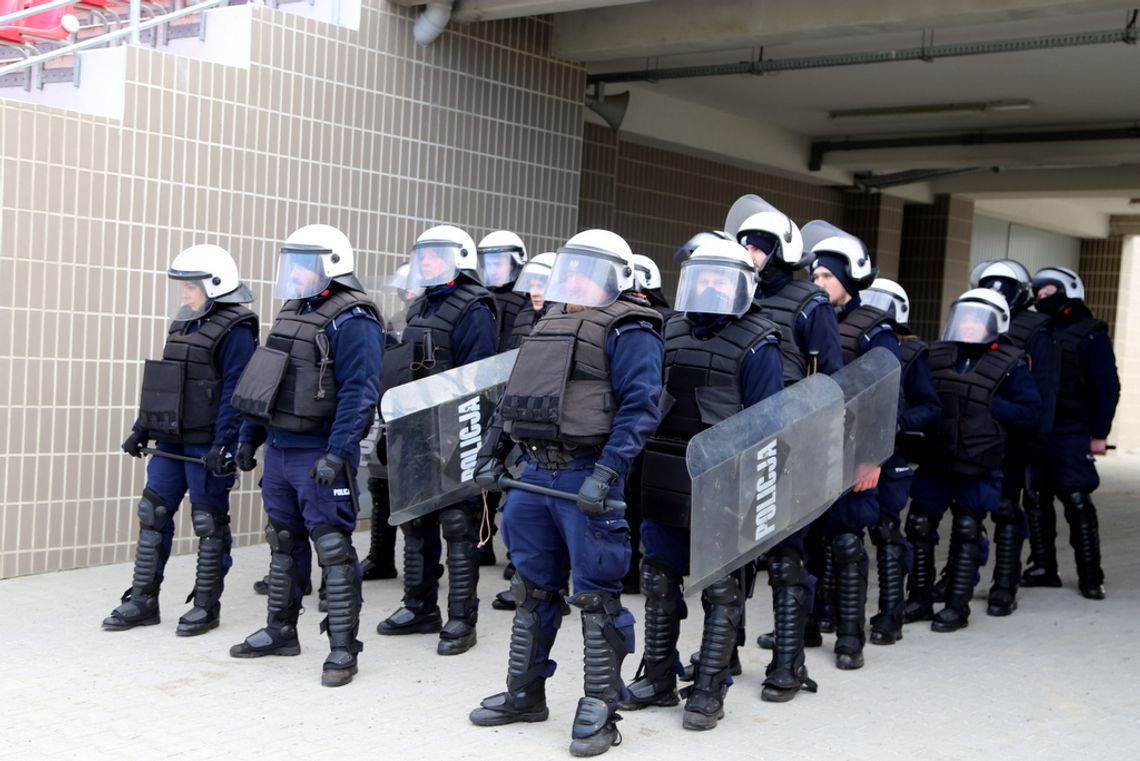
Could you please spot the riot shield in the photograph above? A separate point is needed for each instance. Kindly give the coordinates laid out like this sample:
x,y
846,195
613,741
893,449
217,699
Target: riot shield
x,y
871,398
435,428
762,474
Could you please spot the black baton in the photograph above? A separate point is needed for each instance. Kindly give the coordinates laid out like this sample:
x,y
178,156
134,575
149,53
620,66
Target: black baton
x,y
231,470
510,483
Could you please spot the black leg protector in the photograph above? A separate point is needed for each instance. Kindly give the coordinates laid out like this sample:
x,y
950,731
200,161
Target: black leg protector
x,y
212,528
1084,538
851,566
279,637
458,636
604,649
140,602
1007,559
963,569
890,557
381,560
342,590
920,532
704,704
416,616
1042,521
786,674
655,683
525,698
823,611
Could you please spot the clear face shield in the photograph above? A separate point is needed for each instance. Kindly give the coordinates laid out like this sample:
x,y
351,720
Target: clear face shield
x,y
186,297
433,263
301,273
881,300
971,323
709,286
584,277
497,266
532,281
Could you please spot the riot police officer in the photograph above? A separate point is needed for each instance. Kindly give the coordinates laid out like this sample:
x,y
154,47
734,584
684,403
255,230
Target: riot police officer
x,y
532,283
185,406
501,257
310,395
581,400
721,356
986,390
1087,394
919,410
1032,332
843,268
647,279
451,324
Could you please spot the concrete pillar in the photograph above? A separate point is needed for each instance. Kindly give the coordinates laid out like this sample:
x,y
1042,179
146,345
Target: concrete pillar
x,y
1126,427
934,260
877,220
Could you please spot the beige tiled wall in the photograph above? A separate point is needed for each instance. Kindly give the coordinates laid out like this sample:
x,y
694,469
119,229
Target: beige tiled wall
x,y
363,130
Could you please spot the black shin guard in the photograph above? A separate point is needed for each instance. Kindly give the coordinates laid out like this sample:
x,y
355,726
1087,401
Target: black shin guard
x,y
724,604
381,560
823,612
890,556
1084,538
851,566
920,530
963,568
655,683
416,616
604,649
140,602
213,530
458,635
1007,560
279,637
787,673
1041,518
342,591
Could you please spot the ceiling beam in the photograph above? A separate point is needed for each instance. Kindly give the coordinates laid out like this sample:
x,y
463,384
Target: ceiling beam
x,y
1077,182
467,11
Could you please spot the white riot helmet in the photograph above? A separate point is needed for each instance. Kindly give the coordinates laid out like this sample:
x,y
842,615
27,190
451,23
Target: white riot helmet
x,y
719,278
591,270
688,247
1068,282
440,254
978,316
200,276
824,239
535,274
1007,276
754,221
646,273
311,259
501,256
890,297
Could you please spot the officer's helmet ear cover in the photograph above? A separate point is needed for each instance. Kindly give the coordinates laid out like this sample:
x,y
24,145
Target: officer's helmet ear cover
x,y
587,277
715,286
301,272
186,297
974,322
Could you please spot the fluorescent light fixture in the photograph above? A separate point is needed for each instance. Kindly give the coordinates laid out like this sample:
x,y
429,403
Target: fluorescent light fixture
x,y
977,108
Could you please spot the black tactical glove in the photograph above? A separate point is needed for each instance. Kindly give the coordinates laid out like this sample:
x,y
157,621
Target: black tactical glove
x,y
327,467
244,457
134,443
220,462
488,472
592,493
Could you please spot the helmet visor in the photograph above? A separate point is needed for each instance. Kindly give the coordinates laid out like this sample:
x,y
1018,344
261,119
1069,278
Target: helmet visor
x,y
300,274
585,278
498,266
433,263
186,297
971,323
532,279
709,286
882,300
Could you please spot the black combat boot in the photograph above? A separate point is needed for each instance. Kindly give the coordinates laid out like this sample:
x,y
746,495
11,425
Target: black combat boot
x,y
342,585
213,530
851,566
140,602
963,572
1041,519
458,636
1007,560
525,698
417,616
655,683
595,722
704,704
381,560
890,556
1084,538
920,530
787,673
279,636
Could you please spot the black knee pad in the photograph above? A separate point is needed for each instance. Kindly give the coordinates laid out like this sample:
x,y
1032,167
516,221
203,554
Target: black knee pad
x,y
527,595
456,524
334,547
918,524
153,512
848,548
786,568
724,591
1007,512
966,527
281,540
657,579
209,521
1077,501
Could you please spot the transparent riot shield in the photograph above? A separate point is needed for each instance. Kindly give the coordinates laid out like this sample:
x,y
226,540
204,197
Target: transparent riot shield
x,y
762,474
435,428
871,398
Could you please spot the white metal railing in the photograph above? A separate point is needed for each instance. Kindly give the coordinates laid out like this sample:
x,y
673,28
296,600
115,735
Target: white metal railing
x,y
133,29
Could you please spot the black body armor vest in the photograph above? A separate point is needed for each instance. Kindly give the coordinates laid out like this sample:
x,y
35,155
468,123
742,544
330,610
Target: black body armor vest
x,y
783,309
1072,390
855,327
560,388
1025,326
182,391
911,347
290,383
524,323
702,386
967,430
425,345
508,304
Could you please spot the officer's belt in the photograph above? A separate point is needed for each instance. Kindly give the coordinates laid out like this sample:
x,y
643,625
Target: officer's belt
x,y
555,455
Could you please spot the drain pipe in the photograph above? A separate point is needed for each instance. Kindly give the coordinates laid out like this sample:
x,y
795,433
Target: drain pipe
x,y
431,23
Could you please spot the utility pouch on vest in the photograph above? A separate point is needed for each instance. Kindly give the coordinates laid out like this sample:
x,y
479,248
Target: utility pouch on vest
x,y
717,403
160,408
203,413
537,415
665,484
260,381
